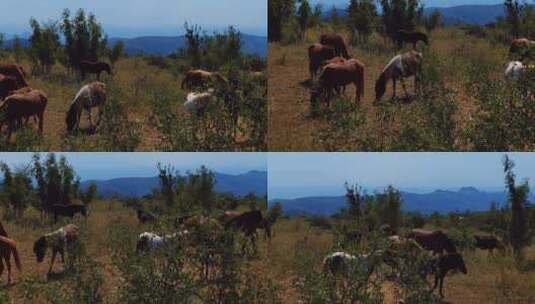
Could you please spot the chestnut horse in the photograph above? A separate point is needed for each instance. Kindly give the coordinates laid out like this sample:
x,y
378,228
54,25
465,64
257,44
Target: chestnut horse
x,y
8,246
336,41
401,66
446,263
94,67
198,78
23,106
336,75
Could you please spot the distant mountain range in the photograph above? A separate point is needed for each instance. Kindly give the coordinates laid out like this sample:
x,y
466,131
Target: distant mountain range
x,y
165,45
239,185
442,201
468,14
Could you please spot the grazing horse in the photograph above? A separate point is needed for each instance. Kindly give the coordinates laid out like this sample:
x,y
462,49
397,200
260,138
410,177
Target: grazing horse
x,y
317,54
67,210
435,241
518,45
336,75
400,67
248,223
487,242
23,106
65,236
145,216
514,70
198,78
16,71
410,37
446,263
94,67
198,102
345,263
8,84
90,96
336,41
8,246
149,241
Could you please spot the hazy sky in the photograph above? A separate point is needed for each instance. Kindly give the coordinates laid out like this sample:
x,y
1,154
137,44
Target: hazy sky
x,y
308,174
127,18
428,3
112,165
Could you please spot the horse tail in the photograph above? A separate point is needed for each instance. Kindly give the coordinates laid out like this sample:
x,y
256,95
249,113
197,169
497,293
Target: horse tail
x,y
13,246
360,80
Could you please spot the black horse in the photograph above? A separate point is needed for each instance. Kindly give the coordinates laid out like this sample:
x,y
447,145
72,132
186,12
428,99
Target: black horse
x,y
67,210
410,37
144,216
94,67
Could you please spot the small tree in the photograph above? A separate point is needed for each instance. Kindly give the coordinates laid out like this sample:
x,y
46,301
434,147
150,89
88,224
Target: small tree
x,y
18,50
17,189
87,196
275,212
432,21
361,19
279,12
303,16
517,198
116,52
513,13
44,44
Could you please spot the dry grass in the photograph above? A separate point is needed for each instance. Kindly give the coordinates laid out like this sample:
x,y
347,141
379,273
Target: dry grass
x,y
291,128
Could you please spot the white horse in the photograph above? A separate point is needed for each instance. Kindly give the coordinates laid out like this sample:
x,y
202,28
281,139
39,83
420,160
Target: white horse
x,y
344,263
514,70
198,102
149,241
90,96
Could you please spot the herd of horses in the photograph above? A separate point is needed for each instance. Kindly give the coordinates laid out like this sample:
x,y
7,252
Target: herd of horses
x,y
331,60
337,69
20,102
445,256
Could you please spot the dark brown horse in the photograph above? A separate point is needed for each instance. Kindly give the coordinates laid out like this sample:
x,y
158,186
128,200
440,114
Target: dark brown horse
x,y
67,210
8,84
16,71
248,223
94,67
337,75
413,37
317,54
57,241
487,242
446,263
23,106
8,246
337,42
435,241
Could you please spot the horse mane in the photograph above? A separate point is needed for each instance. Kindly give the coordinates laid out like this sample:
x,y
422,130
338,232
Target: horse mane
x,y
72,116
380,85
13,246
39,247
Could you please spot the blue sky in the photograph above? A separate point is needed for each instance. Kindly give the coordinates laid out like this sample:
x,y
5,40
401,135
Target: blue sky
x,y
428,3
129,18
112,165
294,175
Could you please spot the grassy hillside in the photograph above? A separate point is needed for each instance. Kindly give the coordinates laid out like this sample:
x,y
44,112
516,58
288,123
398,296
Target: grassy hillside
x,y
465,103
143,113
296,248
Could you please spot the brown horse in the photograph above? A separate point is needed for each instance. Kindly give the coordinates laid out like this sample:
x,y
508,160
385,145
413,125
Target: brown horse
x,y
336,75
23,106
399,67
94,67
435,241
413,37
8,246
521,44
248,223
317,54
198,78
487,242
57,241
336,41
446,263
8,84
89,96
16,71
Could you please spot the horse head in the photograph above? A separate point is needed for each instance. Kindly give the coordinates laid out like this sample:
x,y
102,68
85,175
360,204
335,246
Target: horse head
x,y
39,248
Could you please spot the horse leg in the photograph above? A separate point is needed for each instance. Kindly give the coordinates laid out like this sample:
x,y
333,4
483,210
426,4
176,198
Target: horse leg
x,y
8,263
2,268
403,86
40,116
90,118
393,88
54,252
441,283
